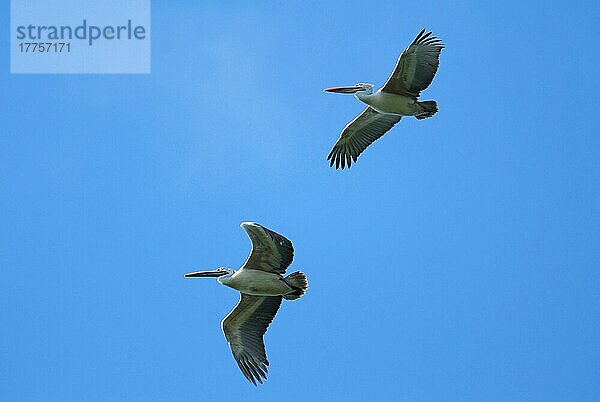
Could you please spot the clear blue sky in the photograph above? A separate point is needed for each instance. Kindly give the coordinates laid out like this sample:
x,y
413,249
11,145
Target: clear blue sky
x,y
457,260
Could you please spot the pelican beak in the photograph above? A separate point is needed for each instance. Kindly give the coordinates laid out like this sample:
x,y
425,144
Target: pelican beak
x,y
345,90
206,274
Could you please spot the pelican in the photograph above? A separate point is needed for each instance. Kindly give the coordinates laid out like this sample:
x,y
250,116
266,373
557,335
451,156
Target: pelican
x,y
414,71
262,287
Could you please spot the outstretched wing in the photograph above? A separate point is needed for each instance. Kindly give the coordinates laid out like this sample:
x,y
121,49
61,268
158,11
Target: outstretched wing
x,y
244,328
359,134
271,252
416,66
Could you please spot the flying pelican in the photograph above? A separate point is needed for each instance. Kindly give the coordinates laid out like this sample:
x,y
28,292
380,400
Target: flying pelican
x,y
414,71
262,286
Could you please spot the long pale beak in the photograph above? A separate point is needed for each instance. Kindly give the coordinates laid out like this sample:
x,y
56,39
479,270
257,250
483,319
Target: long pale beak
x,y
205,274
344,90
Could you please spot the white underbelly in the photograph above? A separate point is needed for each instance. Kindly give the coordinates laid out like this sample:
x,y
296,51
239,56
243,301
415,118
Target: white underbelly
x,y
385,102
258,283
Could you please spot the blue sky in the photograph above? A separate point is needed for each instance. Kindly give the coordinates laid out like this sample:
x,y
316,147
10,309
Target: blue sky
x,y
457,260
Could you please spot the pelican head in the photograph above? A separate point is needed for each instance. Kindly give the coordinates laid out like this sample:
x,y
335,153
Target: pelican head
x,y
360,88
216,273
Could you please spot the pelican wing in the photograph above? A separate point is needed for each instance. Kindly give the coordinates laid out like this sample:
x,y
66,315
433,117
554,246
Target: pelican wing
x,y
244,328
271,252
359,134
416,66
